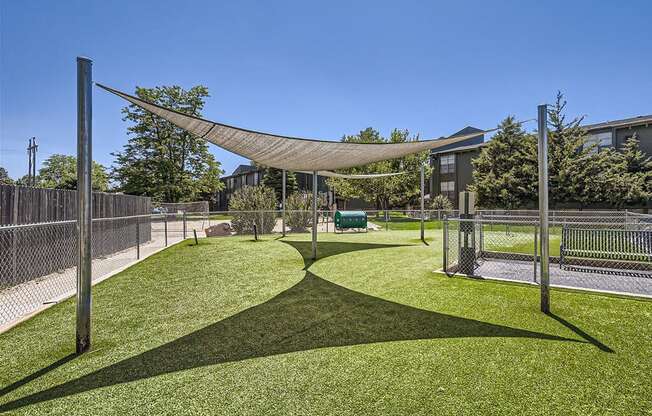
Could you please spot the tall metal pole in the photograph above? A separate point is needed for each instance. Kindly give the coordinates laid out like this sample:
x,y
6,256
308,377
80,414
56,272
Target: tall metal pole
x,y
84,202
314,215
283,203
423,175
29,167
543,206
34,150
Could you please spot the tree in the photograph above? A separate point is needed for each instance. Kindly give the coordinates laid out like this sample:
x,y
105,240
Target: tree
x,y
161,160
628,176
273,178
60,172
505,172
383,191
572,165
635,159
4,177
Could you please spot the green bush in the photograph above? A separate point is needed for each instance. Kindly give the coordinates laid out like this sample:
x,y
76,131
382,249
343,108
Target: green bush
x,y
298,210
441,202
253,198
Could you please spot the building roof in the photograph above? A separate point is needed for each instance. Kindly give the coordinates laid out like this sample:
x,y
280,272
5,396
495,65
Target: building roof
x,y
468,130
244,169
460,149
285,152
625,122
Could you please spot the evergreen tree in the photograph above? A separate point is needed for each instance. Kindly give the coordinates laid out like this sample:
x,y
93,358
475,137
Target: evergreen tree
x,y
505,174
572,166
273,178
634,174
161,160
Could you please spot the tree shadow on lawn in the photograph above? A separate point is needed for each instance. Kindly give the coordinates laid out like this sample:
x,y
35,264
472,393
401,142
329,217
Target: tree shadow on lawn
x,y
312,314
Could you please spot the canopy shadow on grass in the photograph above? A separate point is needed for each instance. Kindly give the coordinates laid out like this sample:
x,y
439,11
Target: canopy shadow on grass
x,y
332,248
312,314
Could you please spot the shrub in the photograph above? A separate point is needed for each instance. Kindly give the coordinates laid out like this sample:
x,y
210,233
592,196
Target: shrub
x,y
253,198
441,202
298,210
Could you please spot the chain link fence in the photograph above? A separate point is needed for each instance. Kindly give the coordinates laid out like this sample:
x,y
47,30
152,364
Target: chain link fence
x,y
38,261
605,252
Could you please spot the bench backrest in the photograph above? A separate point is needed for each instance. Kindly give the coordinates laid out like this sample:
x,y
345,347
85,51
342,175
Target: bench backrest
x,y
607,243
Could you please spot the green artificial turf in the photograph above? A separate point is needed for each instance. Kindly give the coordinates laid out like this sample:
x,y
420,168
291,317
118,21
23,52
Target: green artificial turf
x,y
398,223
233,326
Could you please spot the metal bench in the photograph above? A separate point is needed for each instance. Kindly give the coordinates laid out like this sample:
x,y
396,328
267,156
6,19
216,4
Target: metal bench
x,y
606,248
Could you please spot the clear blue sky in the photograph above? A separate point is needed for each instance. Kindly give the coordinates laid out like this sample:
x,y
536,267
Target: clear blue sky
x,y
319,69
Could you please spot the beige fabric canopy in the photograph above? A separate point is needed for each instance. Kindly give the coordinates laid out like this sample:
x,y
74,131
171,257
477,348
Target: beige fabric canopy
x,y
330,174
290,153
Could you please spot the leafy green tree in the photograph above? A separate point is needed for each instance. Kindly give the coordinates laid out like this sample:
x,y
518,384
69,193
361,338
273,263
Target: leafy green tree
x,y
273,178
4,177
24,181
161,160
505,172
253,205
383,191
60,172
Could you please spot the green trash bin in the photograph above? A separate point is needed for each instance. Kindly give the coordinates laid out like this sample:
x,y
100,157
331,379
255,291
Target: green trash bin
x,y
350,220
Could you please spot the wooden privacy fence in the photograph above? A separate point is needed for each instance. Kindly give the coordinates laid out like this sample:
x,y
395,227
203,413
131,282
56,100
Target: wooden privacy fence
x,y
24,205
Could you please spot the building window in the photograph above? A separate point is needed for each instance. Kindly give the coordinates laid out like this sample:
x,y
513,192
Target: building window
x,y
599,141
448,189
447,164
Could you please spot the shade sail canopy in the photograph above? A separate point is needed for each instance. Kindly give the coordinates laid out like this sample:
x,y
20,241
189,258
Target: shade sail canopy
x,y
330,174
290,153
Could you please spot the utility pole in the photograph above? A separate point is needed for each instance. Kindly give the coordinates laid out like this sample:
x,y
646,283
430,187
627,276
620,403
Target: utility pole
x,y
29,167
32,147
34,150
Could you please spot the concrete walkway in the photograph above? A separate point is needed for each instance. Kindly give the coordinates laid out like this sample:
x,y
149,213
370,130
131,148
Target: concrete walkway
x,y
639,284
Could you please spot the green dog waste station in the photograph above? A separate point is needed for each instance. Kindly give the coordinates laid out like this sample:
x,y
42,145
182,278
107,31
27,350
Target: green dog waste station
x,y
350,219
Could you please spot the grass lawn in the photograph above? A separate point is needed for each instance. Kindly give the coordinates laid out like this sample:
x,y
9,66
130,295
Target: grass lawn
x,y
220,217
234,326
402,223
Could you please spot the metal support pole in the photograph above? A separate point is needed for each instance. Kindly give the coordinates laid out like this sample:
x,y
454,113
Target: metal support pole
x,y
445,244
84,202
283,202
479,217
184,225
314,215
423,175
165,217
536,252
543,207
137,238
